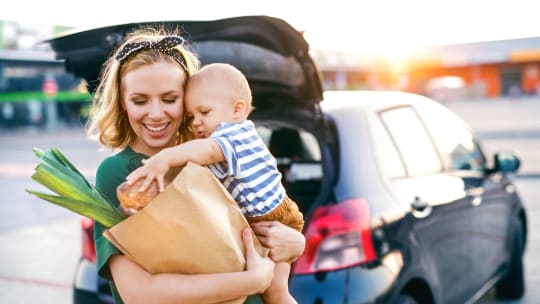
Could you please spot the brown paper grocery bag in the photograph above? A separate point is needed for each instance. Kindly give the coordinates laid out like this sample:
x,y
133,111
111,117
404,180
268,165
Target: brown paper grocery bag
x,y
194,226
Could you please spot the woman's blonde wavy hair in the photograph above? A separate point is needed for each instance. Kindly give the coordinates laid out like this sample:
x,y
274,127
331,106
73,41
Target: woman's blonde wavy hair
x,y
108,122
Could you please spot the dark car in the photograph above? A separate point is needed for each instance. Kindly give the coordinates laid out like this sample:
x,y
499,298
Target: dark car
x,y
401,204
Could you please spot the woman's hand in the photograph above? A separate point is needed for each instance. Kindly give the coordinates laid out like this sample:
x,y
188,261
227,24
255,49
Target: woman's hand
x,y
261,267
283,242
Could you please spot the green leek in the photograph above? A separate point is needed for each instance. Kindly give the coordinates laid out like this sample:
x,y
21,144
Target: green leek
x,y
73,190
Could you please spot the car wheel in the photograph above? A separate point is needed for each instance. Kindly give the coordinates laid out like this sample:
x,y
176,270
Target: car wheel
x,y
512,284
405,299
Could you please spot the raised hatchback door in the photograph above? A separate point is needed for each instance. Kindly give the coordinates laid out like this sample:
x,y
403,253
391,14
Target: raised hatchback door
x,y
273,55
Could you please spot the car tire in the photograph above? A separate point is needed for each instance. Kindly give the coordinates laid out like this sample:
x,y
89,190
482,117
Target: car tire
x,y
85,297
405,299
512,284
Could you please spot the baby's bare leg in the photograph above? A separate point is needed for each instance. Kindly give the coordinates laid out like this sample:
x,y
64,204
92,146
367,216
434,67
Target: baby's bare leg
x,y
278,292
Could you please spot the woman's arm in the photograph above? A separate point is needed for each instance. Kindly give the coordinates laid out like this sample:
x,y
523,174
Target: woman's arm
x,y
136,285
284,242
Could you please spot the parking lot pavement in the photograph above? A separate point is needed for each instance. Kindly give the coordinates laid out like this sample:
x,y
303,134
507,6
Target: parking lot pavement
x,y
40,241
39,264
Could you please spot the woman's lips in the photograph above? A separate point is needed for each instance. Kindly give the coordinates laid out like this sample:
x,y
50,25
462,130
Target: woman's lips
x,y
156,130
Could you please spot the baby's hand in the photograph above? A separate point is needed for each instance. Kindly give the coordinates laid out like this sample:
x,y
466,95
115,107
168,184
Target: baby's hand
x,y
152,169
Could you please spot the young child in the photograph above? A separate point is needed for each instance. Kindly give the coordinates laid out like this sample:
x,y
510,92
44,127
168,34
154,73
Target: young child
x,y
218,101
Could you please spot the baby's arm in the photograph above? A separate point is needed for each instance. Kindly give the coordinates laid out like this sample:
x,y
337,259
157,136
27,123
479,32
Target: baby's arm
x,y
200,151
152,169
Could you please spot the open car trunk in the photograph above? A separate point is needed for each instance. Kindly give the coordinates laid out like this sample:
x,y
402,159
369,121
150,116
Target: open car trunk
x,y
286,86
272,54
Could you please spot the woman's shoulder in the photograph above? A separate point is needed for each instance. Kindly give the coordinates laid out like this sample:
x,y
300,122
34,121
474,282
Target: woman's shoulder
x,y
117,166
125,159
111,162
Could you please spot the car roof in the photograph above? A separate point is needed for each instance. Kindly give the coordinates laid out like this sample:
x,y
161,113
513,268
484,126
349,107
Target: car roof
x,y
369,100
376,101
296,79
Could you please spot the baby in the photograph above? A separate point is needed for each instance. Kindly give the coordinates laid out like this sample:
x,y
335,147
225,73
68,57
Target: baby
x,y
218,102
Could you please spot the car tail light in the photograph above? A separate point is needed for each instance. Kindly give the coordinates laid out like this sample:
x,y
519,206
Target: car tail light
x,y
338,236
88,246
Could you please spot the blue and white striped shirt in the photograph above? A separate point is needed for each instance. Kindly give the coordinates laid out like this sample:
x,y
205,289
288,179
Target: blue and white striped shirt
x,y
249,172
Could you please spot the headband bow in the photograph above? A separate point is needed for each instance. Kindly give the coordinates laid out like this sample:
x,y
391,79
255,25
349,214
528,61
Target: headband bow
x,y
165,46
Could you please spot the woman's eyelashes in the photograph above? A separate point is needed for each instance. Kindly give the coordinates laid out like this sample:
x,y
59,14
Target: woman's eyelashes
x,y
168,100
139,102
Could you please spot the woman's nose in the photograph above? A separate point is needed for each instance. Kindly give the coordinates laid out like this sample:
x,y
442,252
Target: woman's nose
x,y
156,110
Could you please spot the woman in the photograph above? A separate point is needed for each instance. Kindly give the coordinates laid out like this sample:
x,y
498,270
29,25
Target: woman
x,y
139,104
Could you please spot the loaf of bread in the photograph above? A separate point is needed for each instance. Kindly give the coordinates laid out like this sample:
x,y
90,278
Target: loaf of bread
x,y
133,200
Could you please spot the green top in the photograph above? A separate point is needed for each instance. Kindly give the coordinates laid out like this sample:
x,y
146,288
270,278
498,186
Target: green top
x,y
112,172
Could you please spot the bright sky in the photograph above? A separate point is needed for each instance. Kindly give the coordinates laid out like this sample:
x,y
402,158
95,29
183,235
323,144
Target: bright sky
x,y
386,25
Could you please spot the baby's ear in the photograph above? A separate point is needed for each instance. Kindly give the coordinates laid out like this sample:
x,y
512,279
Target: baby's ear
x,y
239,108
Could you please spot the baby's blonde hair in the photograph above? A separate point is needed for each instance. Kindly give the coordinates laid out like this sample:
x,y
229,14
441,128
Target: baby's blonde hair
x,y
108,121
229,75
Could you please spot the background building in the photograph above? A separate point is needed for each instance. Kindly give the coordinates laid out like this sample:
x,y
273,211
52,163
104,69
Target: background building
x,y
35,90
481,69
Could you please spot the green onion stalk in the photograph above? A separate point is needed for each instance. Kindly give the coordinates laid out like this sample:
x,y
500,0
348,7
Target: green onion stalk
x,y
73,191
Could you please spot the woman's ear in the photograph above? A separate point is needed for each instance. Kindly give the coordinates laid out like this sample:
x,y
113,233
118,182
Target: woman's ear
x,y
239,108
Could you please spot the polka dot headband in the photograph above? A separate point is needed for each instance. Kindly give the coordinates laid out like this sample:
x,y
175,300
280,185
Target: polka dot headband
x,y
165,46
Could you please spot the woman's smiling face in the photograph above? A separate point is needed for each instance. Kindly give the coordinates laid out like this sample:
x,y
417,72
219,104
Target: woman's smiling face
x,y
152,96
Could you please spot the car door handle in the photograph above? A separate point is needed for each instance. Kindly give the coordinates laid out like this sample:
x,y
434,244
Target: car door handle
x,y
475,196
420,208
476,200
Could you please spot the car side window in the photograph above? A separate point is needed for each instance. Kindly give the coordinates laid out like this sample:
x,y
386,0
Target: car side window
x,y
456,143
412,140
389,160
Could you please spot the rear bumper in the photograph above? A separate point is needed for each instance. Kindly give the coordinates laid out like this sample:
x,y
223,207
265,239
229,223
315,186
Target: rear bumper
x,y
86,276
88,287
361,284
